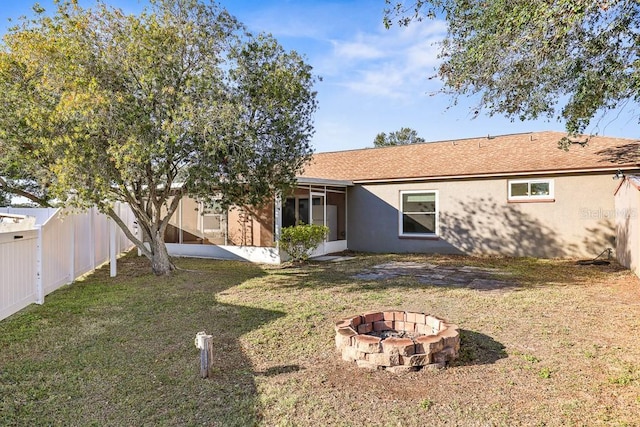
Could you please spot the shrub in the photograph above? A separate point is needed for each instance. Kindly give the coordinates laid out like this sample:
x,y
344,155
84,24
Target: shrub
x,y
298,241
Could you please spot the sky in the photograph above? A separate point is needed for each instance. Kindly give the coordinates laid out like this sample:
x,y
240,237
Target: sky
x,y
373,79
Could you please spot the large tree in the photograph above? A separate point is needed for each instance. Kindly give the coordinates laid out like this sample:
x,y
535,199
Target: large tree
x,y
146,109
564,59
402,137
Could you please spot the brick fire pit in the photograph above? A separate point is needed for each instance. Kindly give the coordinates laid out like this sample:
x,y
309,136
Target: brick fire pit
x,y
397,341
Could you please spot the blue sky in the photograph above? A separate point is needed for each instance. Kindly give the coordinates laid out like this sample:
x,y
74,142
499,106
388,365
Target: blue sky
x,y
373,80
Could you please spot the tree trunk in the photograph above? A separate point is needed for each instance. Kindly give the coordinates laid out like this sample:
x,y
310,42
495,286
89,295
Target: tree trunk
x,y
160,262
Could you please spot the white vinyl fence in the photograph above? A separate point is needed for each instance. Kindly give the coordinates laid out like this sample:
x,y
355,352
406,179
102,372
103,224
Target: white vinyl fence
x,y
62,247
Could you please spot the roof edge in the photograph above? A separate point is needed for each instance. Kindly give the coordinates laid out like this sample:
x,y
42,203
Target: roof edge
x,y
324,181
496,174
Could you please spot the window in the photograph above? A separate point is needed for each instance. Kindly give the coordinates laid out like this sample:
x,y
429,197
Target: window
x,y
531,189
295,210
418,213
211,217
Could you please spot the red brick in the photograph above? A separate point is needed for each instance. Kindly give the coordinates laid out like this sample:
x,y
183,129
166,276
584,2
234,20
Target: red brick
x,y
451,337
344,337
410,317
373,316
383,325
389,315
346,330
434,322
368,343
398,325
356,321
401,346
409,327
452,326
421,318
384,359
429,344
342,324
415,360
423,329
349,354
399,315
365,328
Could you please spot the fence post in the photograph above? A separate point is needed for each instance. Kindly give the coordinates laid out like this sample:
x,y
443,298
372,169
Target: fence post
x,y
72,262
92,237
113,271
278,220
204,342
39,269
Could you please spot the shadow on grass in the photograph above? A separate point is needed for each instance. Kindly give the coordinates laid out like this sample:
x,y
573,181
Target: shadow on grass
x,y
120,351
229,396
278,370
478,349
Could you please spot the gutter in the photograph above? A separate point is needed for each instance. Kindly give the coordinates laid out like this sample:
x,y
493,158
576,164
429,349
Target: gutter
x,y
494,175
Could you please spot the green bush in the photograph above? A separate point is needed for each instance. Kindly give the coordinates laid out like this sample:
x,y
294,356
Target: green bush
x,y
298,241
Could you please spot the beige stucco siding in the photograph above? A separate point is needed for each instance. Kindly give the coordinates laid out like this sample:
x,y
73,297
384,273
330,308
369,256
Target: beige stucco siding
x,y
251,226
475,217
627,203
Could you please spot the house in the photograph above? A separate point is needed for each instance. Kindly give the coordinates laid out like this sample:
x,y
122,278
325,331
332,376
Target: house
x,y
516,195
11,222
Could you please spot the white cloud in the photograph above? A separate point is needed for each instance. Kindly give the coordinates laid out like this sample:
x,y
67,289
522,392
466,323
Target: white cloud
x,y
386,81
423,55
348,45
356,50
384,63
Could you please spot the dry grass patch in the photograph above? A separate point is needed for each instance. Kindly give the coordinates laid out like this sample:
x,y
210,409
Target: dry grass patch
x,y
559,347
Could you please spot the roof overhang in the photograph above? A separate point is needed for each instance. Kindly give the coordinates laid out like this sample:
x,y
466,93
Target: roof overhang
x,y
498,175
303,180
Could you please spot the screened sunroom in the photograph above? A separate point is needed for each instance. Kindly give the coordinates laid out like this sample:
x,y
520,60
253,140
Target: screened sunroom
x,y
201,229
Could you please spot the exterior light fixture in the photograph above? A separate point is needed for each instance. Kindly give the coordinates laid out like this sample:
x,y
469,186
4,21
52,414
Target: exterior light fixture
x,y
618,175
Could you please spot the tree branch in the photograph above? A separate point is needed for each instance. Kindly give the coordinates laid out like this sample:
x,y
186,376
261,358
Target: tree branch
x,y
4,185
139,244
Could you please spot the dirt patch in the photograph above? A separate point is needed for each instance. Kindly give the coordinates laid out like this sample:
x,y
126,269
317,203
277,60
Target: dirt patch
x,y
479,278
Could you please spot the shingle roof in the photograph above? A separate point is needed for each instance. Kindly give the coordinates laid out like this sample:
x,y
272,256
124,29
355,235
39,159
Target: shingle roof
x,y
524,153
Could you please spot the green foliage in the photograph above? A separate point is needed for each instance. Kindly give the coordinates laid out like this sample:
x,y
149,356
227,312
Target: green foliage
x,y
146,109
426,404
402,137
563,59
544,373
629,373
298,241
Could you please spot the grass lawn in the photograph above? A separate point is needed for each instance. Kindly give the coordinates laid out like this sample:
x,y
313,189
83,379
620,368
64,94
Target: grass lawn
x,y
560,346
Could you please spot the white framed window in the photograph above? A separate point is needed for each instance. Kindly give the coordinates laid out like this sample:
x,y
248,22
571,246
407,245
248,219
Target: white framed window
x,y
210,218
418,213
530,189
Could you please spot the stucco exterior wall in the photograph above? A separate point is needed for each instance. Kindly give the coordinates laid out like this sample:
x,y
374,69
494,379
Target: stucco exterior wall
x,y
251,227
475,217
627,204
